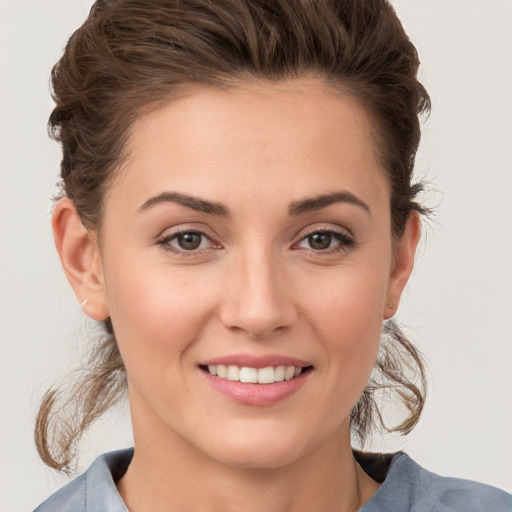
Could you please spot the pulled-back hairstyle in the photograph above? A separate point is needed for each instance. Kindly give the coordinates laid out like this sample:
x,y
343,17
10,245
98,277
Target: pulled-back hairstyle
x,y
131,55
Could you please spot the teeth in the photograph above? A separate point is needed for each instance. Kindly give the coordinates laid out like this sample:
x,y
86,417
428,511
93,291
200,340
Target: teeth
x,y
248,374
233,372
289,372
279,373
267,375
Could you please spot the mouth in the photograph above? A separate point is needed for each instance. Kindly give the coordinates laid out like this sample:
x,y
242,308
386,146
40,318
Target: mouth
x,y
250,375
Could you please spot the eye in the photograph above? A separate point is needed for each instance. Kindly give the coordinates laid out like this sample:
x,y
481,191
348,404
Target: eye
x,y
185,241
323,240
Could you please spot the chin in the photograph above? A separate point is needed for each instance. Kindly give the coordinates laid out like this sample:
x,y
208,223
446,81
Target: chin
x,y
263,447
254,457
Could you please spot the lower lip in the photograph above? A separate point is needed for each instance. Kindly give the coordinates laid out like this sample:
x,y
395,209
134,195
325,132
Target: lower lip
x,y
256,394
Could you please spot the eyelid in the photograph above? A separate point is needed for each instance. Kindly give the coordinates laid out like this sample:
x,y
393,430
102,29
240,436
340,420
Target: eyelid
x,y
344,235
164,239
323,228
187,227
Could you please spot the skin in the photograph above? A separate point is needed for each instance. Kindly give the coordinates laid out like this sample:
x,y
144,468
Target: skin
x,y
255,286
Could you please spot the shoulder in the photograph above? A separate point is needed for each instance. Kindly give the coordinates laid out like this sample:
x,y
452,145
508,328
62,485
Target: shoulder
x,y
93,491
70,498
410,488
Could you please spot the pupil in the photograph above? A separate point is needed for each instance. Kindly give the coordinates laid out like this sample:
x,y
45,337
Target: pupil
x,y
189,241
320,240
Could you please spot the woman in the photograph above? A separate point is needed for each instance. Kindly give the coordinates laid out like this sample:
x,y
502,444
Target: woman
x,y
239,213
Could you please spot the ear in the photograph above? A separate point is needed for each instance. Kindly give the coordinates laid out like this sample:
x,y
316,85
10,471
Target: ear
x,y
403,262
80,258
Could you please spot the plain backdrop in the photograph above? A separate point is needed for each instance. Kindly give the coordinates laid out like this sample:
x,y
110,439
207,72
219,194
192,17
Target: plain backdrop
x,y
457,308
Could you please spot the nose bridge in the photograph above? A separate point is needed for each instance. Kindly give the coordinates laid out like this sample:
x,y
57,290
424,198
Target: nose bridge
x,y
257,301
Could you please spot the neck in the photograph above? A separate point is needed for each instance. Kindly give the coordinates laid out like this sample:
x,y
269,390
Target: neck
x,y
175,476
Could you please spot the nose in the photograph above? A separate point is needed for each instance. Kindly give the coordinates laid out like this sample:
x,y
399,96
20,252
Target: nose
x,y
257,300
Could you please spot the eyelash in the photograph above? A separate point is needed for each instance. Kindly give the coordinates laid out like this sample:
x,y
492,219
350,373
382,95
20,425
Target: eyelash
x,y
346,242
164,242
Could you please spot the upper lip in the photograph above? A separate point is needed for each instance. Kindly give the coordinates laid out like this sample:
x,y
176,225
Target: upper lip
x,y
252,361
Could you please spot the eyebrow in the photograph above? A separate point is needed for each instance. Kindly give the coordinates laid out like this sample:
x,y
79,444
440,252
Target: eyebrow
x,y
296,208
191,202
317,203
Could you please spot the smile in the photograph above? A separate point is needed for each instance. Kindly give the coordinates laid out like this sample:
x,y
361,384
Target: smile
x,y
268,375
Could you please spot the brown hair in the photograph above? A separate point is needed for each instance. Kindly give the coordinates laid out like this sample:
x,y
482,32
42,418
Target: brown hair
x,y
129,55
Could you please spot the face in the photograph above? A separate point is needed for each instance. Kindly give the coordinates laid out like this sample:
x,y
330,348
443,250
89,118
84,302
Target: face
x,y
247,237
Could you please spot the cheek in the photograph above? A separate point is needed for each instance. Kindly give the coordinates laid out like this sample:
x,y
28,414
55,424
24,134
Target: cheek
x,y
346,305
346,314
156,313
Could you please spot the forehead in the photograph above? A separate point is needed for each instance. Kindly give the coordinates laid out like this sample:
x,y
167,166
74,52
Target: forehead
x,y
295,137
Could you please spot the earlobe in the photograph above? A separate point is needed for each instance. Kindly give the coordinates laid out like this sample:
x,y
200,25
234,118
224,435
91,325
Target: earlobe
x,y
80,258
403,263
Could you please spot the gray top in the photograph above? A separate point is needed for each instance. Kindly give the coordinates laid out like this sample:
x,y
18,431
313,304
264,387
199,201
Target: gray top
x,y
407,487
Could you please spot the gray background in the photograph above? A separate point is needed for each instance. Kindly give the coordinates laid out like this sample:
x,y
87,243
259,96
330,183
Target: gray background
x,y
458,306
